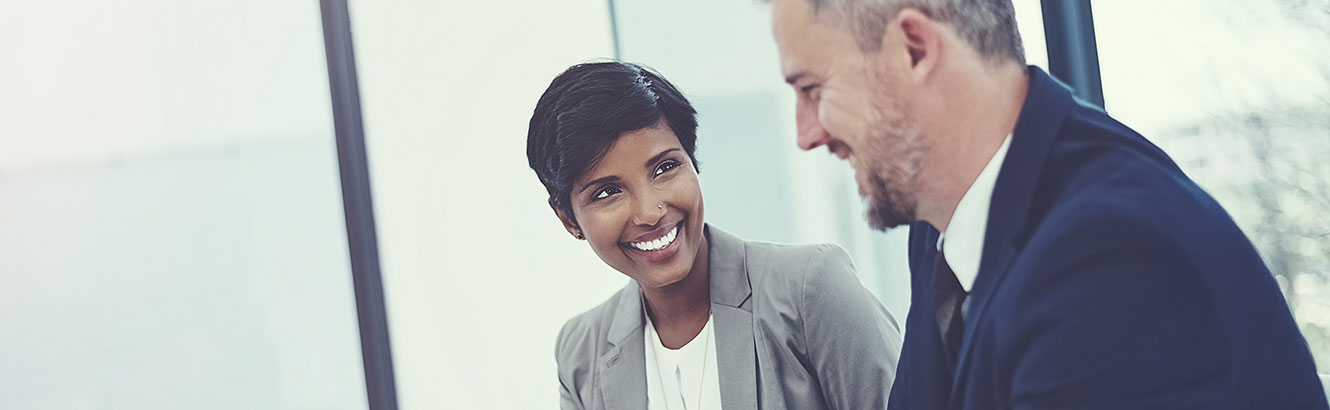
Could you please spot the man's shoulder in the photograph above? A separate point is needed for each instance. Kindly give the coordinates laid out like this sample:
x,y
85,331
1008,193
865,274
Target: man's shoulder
x,y
1105,187
1090,137
1099,171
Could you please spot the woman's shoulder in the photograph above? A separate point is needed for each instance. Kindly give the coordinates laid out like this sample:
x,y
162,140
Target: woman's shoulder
x,y
581,333
817,282
777,261
783,273
770,259
795,254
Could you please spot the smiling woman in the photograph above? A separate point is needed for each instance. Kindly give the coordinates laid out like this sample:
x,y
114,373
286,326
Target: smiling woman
x,y
708,319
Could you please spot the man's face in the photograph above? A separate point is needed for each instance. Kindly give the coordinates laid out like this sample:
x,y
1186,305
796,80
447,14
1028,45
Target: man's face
x,y
853,102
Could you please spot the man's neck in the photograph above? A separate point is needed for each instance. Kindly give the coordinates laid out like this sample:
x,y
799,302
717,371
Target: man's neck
x,y
981,114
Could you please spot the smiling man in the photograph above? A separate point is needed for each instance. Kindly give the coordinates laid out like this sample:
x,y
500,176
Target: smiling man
x,y
1059,260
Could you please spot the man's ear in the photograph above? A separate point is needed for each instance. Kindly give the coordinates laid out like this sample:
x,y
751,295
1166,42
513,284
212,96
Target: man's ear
x,y
568,222
919,43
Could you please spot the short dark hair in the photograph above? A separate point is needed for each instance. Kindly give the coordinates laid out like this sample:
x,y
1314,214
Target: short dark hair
x,y
586,109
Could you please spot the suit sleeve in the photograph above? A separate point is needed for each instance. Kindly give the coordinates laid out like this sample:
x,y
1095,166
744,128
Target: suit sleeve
x,y
568,398
1112,316
853,342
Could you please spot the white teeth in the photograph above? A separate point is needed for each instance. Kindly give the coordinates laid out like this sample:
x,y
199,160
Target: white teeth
x,y
658,243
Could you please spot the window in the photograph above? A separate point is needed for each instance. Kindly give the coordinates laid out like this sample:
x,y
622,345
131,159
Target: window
x,y
171,229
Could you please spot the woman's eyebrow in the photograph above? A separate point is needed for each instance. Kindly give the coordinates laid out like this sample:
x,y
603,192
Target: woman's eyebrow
x,y
598,181
657,157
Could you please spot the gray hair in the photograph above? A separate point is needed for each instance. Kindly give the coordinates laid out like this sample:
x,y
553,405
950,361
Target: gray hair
x,y
988,25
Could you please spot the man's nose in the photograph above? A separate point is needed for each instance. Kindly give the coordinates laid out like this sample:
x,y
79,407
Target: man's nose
x,y
810,133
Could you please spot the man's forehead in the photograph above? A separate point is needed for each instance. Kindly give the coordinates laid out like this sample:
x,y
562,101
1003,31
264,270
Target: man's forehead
x,y
790,17
791,27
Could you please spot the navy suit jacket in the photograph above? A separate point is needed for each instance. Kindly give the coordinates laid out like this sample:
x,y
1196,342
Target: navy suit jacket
x,y
1108,280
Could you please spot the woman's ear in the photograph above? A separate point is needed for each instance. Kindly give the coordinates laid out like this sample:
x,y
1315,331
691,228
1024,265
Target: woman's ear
x,y
568,222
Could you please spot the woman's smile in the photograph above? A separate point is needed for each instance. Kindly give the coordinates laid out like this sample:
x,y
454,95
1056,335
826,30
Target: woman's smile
x,y
656,246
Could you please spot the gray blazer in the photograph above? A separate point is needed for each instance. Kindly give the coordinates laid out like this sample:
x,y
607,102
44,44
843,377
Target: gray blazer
x,y
794,330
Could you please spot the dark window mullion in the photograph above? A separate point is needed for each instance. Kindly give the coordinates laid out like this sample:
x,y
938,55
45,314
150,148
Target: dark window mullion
x,y
1073,56
361,237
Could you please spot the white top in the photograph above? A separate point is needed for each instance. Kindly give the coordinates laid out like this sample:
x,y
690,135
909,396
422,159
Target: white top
x,y
683,379
964,243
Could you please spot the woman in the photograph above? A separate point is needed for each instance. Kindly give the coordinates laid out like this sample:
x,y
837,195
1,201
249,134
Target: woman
x,y
708,320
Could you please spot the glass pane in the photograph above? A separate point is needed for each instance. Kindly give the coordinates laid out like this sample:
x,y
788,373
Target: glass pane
x,y
1238,92
1030,21
479,274
721,54
171,229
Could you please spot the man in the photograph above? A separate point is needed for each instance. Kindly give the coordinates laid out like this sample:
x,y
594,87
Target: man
x,y
1059,260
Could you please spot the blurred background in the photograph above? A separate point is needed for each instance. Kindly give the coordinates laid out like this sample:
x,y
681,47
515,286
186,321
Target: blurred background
x,y
172,226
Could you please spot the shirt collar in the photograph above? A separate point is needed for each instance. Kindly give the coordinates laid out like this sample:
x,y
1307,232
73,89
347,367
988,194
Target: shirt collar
x,y
963,242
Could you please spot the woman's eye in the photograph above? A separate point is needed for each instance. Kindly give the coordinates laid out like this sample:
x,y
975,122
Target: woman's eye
x,y
666,166
605,193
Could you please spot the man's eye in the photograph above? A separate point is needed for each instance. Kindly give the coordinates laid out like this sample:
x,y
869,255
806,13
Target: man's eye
x,y
666,166
605,192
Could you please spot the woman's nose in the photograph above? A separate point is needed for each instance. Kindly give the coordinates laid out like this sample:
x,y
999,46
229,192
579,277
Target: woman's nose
x,y
648,212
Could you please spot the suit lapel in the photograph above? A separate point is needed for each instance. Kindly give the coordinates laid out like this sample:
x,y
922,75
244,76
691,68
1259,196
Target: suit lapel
x,y
929,379
1047,104
736,353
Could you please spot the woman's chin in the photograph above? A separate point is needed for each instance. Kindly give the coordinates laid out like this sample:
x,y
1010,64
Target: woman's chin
x,y
660,279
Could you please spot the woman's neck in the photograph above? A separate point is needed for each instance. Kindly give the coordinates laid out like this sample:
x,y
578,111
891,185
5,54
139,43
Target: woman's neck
x,y
680,310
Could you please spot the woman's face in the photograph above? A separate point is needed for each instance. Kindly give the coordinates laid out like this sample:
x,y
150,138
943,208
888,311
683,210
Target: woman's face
x,y
640,208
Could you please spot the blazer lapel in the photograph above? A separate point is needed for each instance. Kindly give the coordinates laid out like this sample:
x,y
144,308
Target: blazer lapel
x,y
730,293
623,383
736,356
1046,106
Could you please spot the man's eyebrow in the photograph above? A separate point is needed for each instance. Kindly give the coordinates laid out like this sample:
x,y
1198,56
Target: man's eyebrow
x,y
794,78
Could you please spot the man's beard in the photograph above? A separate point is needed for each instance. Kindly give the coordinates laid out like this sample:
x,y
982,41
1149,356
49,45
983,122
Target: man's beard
x,y
891,161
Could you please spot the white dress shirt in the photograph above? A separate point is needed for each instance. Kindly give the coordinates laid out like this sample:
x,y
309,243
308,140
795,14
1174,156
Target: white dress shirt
x,y
683,379
963,243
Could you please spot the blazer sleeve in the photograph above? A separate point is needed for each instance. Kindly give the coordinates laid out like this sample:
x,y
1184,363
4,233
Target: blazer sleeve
x,y
853,342
1112,316
568,398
